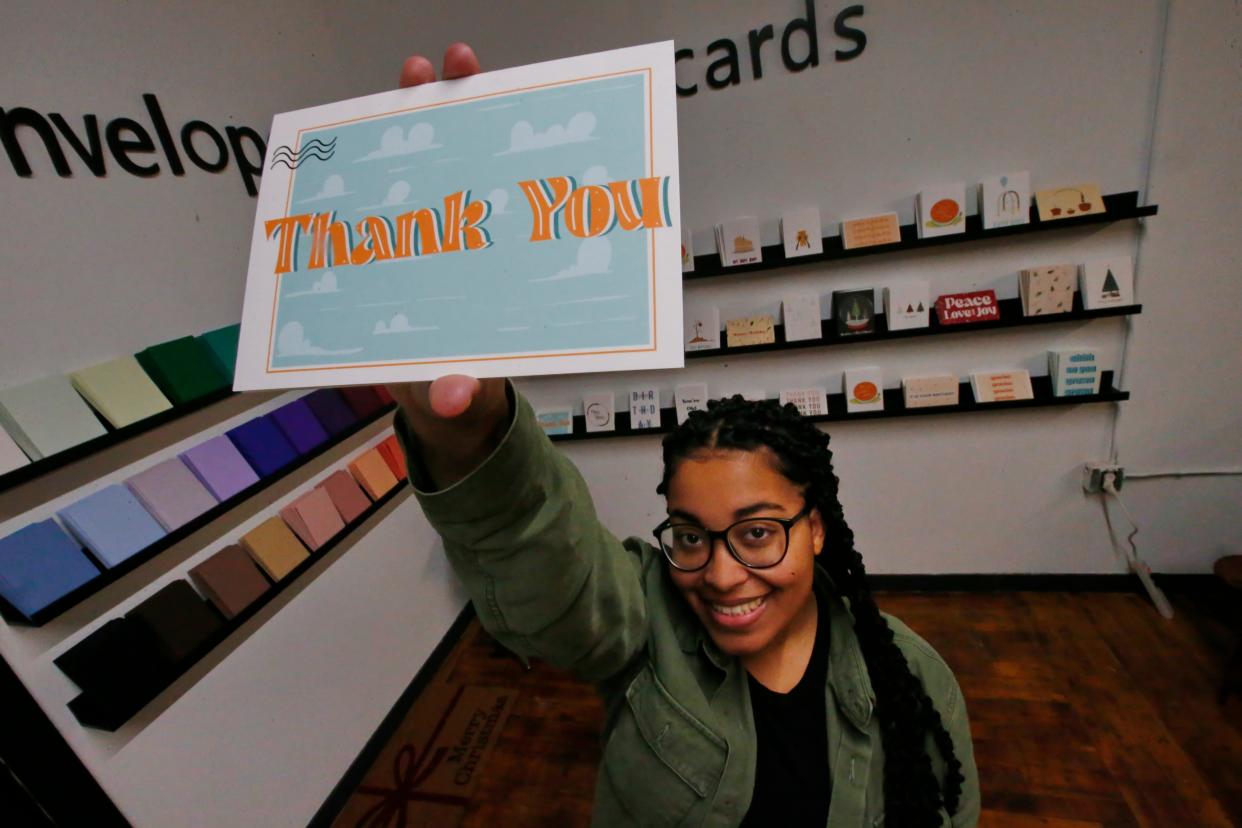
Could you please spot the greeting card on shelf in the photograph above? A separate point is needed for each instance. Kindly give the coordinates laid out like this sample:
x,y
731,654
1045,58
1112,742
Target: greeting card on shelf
x,y
1001,386
555,420
738,242
870,231
598,412
644,408
802,320
1107,283
1005,200
438,201
1075,372
810,402
941,211
1047,290
1069,202
690,396
687,251
801,233
854,311
929,391
751,330
864,390
702,326
964,308
907,306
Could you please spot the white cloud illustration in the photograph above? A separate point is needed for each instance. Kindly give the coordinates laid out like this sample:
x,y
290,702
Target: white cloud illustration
x,y
292,341
400,323
597,174
396,141
594,256
499,198
325,285
523,137
333,187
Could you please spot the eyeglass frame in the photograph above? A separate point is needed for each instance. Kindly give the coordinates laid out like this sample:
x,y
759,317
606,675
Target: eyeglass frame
x,y
786,524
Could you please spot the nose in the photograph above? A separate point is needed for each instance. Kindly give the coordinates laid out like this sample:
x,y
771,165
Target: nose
x,y
723,573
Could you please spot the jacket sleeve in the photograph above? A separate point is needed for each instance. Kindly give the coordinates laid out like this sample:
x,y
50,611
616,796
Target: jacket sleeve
x,y
545,576
958,726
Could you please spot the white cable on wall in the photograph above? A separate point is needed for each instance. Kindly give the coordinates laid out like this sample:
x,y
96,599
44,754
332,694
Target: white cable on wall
x,y
1137,565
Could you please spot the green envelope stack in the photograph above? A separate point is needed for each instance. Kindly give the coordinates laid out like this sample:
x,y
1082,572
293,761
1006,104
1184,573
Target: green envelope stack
x,y
222,343
184,369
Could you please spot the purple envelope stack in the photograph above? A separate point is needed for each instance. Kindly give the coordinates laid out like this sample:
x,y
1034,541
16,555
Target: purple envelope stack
x,y
331,410
171,493
298,423
220,467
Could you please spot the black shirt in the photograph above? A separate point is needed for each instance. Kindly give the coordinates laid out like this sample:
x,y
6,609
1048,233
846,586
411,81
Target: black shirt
x,y
792,782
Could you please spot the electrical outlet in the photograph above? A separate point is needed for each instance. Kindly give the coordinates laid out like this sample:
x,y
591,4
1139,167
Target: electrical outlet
x,y
1095,474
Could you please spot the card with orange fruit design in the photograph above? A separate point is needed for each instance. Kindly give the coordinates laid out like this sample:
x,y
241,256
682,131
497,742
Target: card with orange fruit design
x,y
864,390
941,211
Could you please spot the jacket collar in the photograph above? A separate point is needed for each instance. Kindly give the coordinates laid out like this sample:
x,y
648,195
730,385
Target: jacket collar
x,y
847,671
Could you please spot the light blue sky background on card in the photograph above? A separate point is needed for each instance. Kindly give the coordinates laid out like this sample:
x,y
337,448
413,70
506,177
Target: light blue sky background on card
x,y
513,297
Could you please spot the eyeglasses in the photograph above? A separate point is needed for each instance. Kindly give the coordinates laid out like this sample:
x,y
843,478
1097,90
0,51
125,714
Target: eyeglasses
x,y
756,543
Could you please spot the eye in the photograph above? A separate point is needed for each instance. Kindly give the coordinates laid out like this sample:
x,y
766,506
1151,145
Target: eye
x,y
687,537
758,533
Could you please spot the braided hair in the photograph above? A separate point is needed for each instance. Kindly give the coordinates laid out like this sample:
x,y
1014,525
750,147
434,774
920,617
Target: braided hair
x,y
912,796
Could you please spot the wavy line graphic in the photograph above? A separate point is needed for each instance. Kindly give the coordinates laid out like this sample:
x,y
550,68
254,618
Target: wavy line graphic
x,y
315,148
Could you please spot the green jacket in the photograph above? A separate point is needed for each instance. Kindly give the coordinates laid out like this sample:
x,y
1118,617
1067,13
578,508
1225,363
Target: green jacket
x,y
549,581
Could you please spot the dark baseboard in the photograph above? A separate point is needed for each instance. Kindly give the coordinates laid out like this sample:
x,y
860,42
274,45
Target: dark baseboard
x,y
1031,582
370,751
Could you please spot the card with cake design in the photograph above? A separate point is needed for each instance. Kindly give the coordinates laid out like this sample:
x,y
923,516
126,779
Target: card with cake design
x,y
854,311
864,390
907,305
801,233
515,222
750,330
941,211
738,243
1005,200
1048,289
1107,283
1070,201
702,326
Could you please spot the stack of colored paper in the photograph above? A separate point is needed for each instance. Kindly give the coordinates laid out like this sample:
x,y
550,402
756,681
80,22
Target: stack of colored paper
x,y
120,390
331,411
297,422
274,547
363,400
47,416
263,445
222,344
230,580
112,524
313,518
178,620
391,451
119,661
372,473
184,369
171,493
220,467
40,564
349,499
11,455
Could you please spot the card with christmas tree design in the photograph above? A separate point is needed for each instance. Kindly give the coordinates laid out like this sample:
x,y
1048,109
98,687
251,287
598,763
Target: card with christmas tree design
x,y
854,311
1107,283
907,305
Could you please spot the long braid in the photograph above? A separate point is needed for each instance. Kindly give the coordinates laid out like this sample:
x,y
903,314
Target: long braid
x,y
907,717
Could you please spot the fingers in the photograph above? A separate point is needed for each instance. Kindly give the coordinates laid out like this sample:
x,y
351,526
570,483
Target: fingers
x,y
416,70
450,396
460,61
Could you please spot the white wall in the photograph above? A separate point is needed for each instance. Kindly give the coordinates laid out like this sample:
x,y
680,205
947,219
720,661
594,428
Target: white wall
x,y
944,91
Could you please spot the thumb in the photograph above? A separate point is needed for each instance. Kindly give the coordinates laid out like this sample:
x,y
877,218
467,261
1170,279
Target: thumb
x,y
452,395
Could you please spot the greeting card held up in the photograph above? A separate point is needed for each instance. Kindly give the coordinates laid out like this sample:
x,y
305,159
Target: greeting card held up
x,y
511,223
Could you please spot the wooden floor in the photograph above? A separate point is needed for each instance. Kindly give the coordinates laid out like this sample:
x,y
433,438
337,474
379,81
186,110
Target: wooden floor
x,y
1087,709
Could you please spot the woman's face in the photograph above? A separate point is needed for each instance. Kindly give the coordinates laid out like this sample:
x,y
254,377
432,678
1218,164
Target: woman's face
x,y
713,489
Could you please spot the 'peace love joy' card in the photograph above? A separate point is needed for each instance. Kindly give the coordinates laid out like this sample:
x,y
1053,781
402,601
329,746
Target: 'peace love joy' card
x,y
524,221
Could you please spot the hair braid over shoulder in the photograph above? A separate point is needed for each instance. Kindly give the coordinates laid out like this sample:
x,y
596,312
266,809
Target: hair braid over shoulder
x,y
907,717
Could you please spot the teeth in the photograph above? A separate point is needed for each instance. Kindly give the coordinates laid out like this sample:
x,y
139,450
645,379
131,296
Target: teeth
x,y
740,609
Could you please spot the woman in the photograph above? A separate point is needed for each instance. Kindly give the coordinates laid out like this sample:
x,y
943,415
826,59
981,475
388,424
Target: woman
x,y
747,674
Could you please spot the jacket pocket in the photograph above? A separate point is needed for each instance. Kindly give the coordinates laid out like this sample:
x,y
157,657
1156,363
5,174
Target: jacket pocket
x,y
661,761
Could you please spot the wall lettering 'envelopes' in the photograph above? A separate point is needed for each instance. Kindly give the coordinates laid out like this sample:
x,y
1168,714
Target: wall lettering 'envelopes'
x,y
516,222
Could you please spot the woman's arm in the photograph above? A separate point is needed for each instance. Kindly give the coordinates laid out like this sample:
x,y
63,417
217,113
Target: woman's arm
x,y
546,578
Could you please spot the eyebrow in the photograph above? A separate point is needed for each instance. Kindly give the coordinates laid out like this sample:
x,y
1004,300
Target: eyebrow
x,y
738,514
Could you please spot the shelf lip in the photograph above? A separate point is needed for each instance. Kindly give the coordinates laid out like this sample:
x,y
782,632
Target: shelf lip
x,y
1118,207
893,407
1011,317
38,468
113,574
81,705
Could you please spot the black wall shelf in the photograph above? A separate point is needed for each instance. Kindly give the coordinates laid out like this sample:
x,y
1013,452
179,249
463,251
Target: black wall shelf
x,y
894,406
1010,317
111,713
108,576
1118,207
114,436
